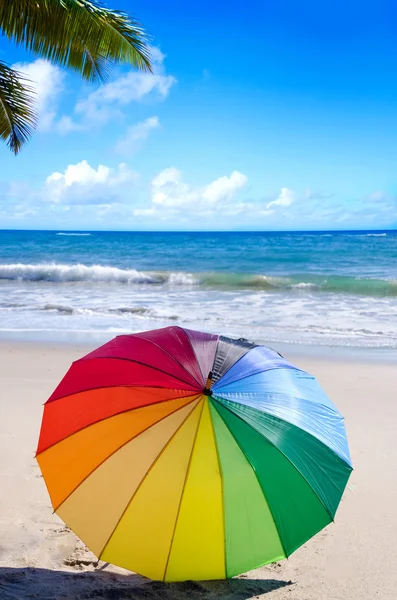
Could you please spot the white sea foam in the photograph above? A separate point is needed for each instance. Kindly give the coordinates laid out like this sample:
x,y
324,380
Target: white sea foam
x,y
53,272
73,234
304,285
260,315
182,279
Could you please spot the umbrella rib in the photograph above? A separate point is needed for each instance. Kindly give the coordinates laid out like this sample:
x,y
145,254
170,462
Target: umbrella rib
x,y
147,473
264,370
183,492
223,362
306,454
122,412
194,352
138,362
254,471
333,409
173,357
122,446
235,363
223,493
333,412
286,420
122,385
286,457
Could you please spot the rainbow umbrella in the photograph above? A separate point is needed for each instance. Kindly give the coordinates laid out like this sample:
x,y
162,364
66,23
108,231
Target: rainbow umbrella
x,y
184,455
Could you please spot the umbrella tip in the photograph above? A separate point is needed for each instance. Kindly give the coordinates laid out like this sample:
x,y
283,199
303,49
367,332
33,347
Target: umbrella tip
x,y
207,390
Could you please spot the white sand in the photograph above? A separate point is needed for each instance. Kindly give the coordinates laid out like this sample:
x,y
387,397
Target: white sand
x,y
355,558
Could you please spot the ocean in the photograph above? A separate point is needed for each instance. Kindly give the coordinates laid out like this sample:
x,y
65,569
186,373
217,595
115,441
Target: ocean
x,y
323,288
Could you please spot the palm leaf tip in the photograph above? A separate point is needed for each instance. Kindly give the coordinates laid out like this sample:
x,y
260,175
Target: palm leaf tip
x,y
18,118
79,34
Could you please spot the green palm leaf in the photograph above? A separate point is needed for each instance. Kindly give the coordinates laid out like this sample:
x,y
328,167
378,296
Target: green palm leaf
x,y
81,35
17,118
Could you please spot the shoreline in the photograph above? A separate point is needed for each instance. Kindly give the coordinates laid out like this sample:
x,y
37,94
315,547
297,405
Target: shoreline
x,y
322,294
84,343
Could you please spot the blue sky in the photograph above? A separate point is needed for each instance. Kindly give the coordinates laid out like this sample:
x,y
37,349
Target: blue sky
x,y
262,116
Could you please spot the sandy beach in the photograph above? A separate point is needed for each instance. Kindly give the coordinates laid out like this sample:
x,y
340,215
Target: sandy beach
x,y
352,559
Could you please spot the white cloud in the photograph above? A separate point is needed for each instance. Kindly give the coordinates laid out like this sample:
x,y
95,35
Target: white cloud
x,y
47,81
136,135
103,104
83,184
170,191
286,198
66,125
89,195
107,101
224,187
378,196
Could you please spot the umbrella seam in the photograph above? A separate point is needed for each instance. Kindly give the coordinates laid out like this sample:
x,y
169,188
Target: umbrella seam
x,y
292,367
173,357
243,394
300,429
198,362
127,385
223,491
256,477
238,360
144,478
149,341
287,458
119,448
194,352
213,362
297,426
122,412
183,491
117,358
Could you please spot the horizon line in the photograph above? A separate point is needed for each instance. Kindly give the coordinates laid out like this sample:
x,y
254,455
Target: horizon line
x,y
60,230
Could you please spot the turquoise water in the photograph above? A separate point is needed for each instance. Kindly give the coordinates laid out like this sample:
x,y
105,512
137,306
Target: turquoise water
x,y
311,288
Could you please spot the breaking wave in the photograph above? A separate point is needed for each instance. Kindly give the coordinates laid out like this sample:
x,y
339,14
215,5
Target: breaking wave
x,y
53,272
306,283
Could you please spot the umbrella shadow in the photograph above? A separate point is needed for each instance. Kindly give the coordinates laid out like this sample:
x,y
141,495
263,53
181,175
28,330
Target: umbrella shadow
x,y
24,583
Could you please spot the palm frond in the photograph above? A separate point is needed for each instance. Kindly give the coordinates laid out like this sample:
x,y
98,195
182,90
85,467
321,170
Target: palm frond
x,y
80,34
17,116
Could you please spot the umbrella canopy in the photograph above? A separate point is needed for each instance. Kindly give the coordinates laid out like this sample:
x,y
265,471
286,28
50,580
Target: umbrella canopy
x,y
184,455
